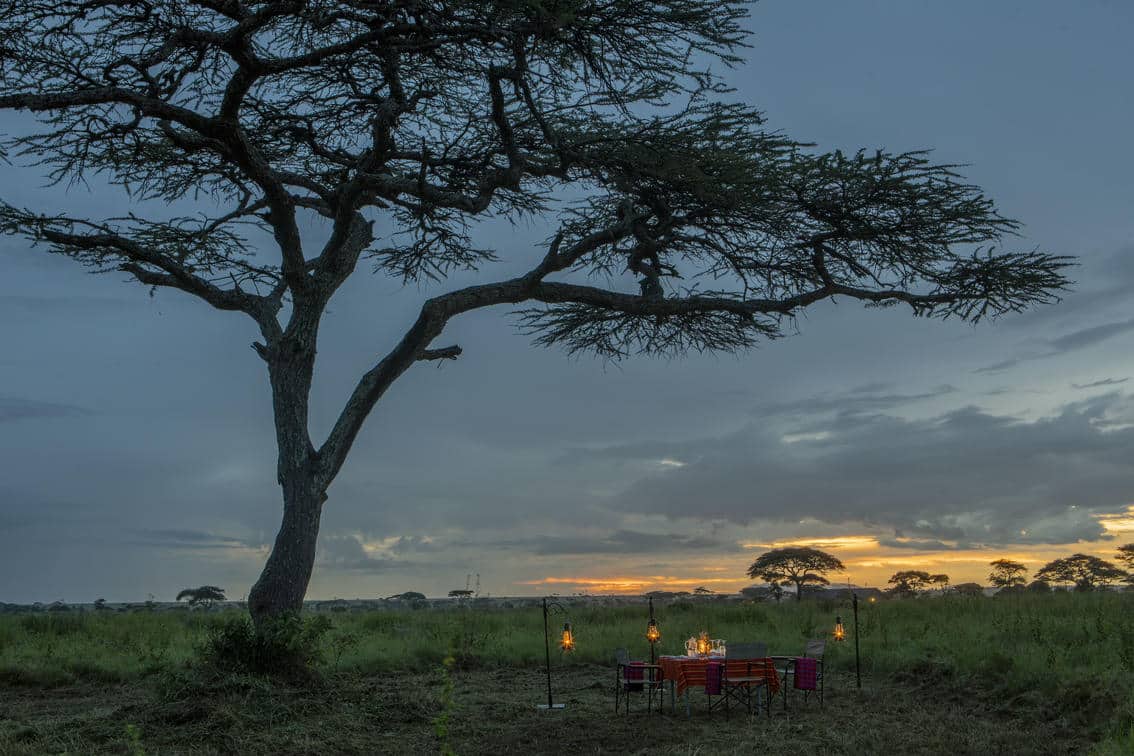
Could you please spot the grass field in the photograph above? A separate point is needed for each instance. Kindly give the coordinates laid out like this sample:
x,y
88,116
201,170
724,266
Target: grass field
x,y
1019,674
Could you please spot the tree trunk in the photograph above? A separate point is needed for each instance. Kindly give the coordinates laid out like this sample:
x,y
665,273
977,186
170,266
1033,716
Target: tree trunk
x,y
283,583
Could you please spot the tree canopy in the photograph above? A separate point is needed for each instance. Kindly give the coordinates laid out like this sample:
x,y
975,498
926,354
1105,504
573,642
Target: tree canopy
x,y
204,596
968,589
407,596
911,582
1084,571
1126,556
800,565
1007,573
267,149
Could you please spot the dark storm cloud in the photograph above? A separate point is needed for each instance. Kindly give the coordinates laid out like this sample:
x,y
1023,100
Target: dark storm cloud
x,y
509,441
966,475
16,408
620,542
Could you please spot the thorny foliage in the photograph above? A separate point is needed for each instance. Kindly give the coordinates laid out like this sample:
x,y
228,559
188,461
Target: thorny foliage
x,y
403,121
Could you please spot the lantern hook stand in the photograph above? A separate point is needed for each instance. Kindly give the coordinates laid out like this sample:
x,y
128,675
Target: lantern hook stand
x,y
652,627
857,660
552,605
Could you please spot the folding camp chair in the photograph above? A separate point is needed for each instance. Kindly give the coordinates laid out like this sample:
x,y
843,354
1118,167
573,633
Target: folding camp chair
x,y
636,677
786,666
740,686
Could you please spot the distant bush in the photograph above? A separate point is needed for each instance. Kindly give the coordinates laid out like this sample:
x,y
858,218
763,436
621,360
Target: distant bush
x,y
287,646
408,596
204,596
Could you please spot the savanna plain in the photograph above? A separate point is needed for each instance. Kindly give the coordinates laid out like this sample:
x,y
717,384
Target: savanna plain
x,y
951,674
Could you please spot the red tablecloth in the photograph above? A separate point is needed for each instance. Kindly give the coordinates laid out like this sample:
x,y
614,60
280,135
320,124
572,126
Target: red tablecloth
x,y
686,671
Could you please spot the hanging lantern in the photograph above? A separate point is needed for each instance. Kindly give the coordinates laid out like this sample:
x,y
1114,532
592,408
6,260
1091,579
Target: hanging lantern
x,y
840,631
653,635
568,641
704,644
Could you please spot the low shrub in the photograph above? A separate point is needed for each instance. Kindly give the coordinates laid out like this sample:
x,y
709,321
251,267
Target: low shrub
x,y
286,646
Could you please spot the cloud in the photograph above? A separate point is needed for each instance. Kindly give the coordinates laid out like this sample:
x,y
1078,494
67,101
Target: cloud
x,y
1103,382
920,544
871,397
14,408
1090,336
1068,342
1000,366
966,476
347,553
190,539
415,545
620,542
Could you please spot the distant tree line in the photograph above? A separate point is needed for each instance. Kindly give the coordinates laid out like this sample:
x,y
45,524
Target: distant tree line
x,y
807,568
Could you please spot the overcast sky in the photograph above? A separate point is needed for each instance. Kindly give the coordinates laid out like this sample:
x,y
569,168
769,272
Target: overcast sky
x,y
137,454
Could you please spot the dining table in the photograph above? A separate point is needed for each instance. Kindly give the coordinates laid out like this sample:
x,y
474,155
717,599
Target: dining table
x,y
685,672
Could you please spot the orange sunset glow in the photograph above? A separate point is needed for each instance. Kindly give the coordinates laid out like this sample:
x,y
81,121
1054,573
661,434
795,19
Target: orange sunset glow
x,y
868,561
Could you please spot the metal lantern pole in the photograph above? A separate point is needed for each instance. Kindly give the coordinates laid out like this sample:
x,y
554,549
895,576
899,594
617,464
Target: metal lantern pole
x,y
547,653
857,660
547,656
651,623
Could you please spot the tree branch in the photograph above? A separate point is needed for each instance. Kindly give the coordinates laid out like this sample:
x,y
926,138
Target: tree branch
x,y
444,353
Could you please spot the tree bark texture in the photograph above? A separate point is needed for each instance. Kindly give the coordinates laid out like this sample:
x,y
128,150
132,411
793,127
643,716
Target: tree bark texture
x,y
283,583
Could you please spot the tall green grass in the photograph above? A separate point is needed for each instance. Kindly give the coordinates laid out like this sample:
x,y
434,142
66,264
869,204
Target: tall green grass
x,y
1015,643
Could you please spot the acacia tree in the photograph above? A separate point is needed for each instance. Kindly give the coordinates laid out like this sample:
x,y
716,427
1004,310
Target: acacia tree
x,y
968,589
799,565
1007,573
1084,571
402,123
204,596
911,582
1126,556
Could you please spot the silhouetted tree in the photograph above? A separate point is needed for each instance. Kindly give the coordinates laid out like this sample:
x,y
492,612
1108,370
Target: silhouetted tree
x,y
1007,573
968,589
460,593
756,592
408,596
1126,556
910,582
799,565
702,591
400,123
1084,571
1038,586
203,596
